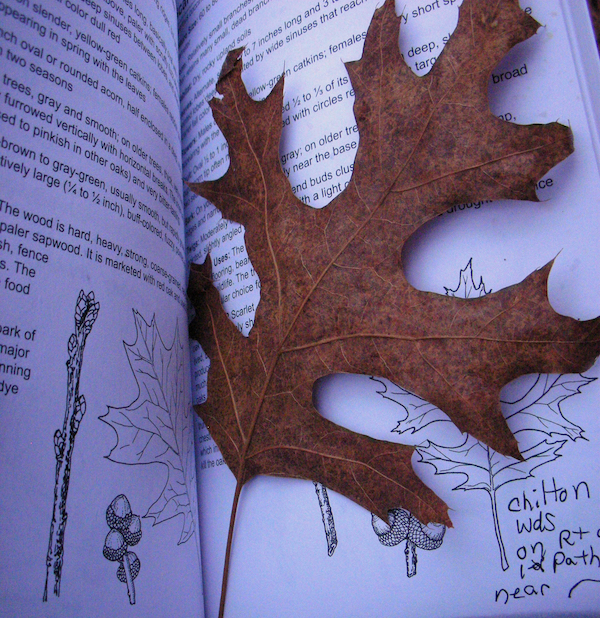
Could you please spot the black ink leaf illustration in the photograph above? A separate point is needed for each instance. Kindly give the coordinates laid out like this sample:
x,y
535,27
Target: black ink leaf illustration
x,y
467,288
86,312
125,532
535,417
155,428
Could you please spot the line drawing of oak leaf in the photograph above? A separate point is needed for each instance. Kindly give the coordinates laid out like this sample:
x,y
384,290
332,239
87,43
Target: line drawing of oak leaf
x,y
534,416
155,427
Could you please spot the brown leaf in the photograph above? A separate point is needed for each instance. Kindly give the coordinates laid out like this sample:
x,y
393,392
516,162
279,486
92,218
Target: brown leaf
x,y
594,7
333,294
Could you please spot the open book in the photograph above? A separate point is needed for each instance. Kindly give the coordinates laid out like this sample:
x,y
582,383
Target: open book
x,y
115,500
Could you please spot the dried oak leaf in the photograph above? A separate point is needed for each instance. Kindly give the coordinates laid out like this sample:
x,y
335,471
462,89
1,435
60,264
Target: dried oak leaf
x,y
334,298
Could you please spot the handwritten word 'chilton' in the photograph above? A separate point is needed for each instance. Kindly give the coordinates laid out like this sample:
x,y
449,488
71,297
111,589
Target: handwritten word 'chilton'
x,y
550,495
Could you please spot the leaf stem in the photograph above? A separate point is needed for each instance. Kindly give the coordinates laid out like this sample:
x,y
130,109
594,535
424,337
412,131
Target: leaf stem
x,y
497,530
234,506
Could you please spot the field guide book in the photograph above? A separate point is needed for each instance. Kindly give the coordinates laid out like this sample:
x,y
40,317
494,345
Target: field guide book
x,y
114,499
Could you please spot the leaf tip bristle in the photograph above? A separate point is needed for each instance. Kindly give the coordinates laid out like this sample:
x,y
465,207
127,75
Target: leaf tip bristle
x,y
509,448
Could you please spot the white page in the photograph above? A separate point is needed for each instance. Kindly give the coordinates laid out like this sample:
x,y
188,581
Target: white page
x,y
90,172
280,565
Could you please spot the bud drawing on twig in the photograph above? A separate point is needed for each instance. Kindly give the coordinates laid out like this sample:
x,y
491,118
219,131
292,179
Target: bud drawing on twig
x,y
86,312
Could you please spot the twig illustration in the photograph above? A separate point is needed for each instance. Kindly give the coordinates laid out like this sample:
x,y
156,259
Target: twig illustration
x,y
327,516
125,531
86,312
155,428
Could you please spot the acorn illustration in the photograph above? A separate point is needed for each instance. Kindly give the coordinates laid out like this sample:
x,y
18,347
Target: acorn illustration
x,y
403,525
114,546
118,513
125,531
133,533
134,565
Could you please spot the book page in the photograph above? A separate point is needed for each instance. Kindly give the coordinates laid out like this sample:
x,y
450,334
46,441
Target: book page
x,y
525,537
99,495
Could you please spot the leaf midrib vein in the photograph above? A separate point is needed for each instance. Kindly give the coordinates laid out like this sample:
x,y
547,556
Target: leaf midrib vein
x,y
417,339
265,203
